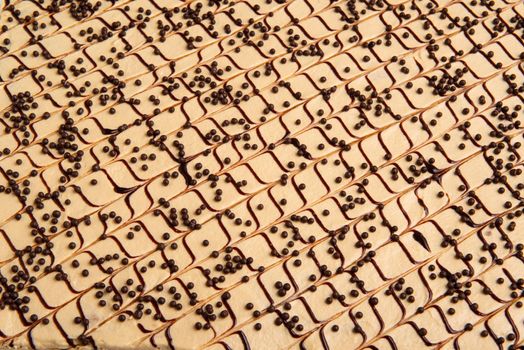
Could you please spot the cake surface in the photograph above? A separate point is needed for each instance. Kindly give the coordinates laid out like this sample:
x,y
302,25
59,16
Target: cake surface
x,y
261,174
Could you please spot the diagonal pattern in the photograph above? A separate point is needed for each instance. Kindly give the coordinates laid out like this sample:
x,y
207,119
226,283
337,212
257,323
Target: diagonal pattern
x,y
261,174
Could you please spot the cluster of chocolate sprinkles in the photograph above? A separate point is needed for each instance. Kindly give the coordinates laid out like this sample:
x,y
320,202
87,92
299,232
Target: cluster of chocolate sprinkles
x,y
311,174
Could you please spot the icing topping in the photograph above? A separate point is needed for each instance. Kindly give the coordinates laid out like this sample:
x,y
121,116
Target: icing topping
x,y
301,174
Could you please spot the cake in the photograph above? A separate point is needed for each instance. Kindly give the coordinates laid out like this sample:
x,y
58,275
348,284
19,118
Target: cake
x,y
261,174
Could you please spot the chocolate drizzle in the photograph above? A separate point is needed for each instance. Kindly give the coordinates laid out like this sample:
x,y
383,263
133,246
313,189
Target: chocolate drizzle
x,y
205,174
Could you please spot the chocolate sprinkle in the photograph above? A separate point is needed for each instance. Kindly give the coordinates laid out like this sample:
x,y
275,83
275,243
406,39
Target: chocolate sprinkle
x,y
261,174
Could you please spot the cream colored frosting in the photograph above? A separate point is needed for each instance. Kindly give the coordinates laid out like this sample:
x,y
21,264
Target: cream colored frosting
x,y
302,174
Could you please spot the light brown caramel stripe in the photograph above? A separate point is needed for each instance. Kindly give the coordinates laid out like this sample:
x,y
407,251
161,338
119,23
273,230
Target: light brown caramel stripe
x,y
261,174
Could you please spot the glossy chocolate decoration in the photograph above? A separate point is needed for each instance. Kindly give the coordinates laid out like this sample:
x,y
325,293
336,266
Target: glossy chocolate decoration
x,y
261,174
